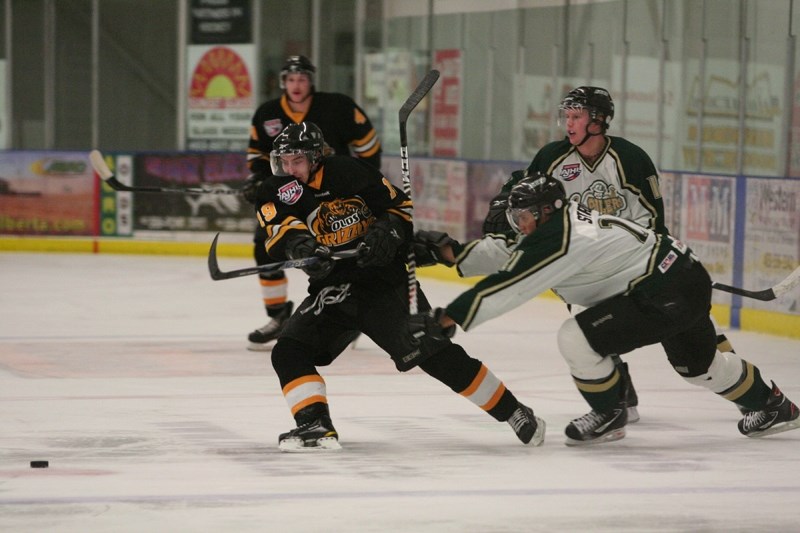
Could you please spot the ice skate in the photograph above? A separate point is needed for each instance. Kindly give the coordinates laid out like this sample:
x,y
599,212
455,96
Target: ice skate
x,y
271,331
779,415
596,427
528,427
316,436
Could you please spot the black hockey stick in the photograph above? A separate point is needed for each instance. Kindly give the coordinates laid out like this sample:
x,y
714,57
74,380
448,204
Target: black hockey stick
x,y
217,274
99,165
416,97
765,295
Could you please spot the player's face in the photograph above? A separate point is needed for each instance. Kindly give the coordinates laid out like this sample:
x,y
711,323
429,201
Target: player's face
x,y
577,124
296,165
526,222
298,86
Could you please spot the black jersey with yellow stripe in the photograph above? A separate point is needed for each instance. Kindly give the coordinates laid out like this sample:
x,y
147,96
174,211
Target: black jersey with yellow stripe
x,y
342,199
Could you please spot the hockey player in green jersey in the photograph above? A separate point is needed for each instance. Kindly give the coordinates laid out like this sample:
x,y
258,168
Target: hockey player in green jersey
x,y
636,287
314,206
606,173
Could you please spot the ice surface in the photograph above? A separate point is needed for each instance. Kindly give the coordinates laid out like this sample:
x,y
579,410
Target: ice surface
x,y
130,375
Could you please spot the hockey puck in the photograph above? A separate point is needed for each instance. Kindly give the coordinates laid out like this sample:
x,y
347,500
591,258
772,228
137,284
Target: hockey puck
x,y
40,464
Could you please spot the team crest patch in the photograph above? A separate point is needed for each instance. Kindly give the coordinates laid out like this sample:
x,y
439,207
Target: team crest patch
x,y
290,193
667,262
570,172
273,127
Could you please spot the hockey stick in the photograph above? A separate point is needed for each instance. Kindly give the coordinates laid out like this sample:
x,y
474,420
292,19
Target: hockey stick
x,y
416,97
217,274
767,294
99,165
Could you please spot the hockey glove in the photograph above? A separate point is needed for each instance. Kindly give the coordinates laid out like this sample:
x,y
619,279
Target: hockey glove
x,y
427,324
250,187
383,239
496,220
428,247
306,246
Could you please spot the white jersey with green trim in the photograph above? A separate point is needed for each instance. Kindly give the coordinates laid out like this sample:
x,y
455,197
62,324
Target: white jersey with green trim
x,y
585,257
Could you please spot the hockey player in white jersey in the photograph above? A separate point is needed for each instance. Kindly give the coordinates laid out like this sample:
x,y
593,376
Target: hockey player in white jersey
x,y
638,287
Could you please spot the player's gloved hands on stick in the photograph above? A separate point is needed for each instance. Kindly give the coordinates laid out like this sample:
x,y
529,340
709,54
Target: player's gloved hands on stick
x,y
306,246
250,187
383,239
427,324
427,247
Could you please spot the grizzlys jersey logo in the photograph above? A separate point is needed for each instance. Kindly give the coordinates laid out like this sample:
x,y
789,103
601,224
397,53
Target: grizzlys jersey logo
x,y
570,172
601,197
340,221
290,193
273,127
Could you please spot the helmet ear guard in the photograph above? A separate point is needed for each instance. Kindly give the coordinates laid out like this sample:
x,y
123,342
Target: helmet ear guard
x,y
297,139
539,193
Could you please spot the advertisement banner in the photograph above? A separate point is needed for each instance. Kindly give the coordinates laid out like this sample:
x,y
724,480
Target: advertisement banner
x,y
446,109
220,21
46,193
221,97
439,192
772,238
192,212
710,214
116,207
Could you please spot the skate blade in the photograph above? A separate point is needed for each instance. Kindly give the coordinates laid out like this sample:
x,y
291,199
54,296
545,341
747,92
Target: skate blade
x,y
325,444
633,415
608,437
538,435
779,428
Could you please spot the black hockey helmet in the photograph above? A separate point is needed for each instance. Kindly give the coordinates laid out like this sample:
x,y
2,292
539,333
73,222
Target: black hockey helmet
x,y
297,64
538,193
596,100
297,139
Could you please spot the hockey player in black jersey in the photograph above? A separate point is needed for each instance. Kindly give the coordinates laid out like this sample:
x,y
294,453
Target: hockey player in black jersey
x,y
313,206
347,131
636,287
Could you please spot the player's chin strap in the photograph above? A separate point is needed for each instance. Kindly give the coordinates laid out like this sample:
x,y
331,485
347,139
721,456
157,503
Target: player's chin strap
x,y
603,129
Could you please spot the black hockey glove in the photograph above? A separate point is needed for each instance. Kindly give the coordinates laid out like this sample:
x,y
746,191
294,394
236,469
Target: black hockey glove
x,y
427,324
496,220
383,239
427,247
306,246
251,186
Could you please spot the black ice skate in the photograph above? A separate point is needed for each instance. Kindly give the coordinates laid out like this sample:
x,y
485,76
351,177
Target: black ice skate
x,y
316,436
271,331
528,427
631,398
596,427
779,415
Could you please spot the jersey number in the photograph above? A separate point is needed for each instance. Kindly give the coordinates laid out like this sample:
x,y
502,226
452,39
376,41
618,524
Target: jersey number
x,y
607,221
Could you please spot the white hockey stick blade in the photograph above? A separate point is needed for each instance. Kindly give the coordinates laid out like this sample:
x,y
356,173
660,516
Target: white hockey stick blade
x,y
765,295
99,165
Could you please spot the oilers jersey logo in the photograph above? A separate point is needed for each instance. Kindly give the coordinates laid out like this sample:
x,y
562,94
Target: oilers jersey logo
x,y
603,198
340,221
290,193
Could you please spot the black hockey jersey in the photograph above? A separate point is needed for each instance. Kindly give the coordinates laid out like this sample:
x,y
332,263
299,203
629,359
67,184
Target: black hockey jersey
x,y
344,125
342,198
